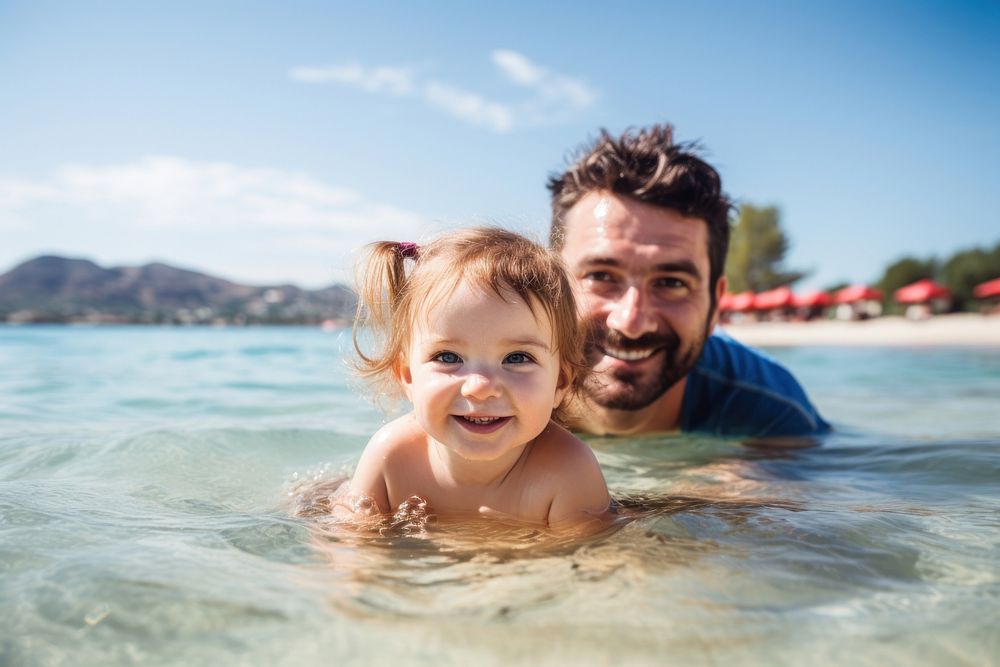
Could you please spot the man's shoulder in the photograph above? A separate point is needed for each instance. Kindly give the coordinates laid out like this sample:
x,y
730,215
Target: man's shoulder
x,y
726,359
737,390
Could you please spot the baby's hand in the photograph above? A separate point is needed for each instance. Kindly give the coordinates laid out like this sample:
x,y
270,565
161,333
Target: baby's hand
x,y
413,508
411,518
360,505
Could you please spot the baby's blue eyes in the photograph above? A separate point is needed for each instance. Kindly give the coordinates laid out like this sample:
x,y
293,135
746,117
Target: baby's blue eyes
x,y
512,358
447,358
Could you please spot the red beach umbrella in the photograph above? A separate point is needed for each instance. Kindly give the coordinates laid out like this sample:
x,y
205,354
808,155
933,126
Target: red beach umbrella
x,y
987,289
771,299
814,299
858,293
921,291
741,302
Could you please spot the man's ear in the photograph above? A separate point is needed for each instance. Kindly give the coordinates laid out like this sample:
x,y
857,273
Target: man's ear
x,y
720,289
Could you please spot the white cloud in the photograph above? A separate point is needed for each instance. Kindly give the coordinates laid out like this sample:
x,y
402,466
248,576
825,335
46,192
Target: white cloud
x,y
389,80
469,106
174,192
164,204
557,88
518,68
555,96
552,97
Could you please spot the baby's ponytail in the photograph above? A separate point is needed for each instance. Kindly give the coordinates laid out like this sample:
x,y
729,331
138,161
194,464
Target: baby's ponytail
x,y
381,283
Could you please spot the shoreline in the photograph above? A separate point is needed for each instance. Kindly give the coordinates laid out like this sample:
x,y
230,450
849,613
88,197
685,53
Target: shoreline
x,y
954,330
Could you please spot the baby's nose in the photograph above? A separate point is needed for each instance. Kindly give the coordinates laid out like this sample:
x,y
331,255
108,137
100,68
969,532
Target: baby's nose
x,y
480,385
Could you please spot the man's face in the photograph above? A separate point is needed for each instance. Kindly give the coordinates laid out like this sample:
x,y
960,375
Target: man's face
x,y
642,279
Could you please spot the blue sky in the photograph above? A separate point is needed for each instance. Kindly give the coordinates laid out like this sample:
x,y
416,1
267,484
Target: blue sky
x,y
266,142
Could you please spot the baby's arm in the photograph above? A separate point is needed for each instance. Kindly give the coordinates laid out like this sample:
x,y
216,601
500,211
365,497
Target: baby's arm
x,y
581,498
369,476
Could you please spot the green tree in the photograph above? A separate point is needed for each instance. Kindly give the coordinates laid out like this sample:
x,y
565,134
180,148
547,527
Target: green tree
x,y
837,286
966,269
757,249
905,271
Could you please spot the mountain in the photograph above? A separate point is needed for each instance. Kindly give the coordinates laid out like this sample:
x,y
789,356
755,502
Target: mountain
x,y
61,289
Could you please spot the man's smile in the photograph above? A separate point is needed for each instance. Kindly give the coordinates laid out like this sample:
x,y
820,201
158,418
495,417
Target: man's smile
x,y
628,351
623,354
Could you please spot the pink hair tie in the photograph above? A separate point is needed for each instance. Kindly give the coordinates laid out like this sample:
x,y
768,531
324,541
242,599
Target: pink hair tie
x,y
408,249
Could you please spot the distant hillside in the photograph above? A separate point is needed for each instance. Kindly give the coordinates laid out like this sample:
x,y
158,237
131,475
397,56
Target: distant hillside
x,y
60,289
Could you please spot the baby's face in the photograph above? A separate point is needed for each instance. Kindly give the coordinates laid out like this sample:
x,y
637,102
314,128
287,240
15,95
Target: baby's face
x,y
482,373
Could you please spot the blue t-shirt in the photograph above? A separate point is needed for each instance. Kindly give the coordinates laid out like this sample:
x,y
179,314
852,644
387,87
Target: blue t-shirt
x,y
734,390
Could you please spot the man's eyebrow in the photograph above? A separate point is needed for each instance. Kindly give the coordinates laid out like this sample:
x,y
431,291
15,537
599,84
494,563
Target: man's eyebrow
x,y
603,261
677,266
680,266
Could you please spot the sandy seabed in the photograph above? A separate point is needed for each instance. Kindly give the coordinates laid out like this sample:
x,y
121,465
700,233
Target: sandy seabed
x,y
961,329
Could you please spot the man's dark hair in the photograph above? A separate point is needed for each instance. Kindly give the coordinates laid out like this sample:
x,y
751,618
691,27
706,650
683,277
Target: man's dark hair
x,y
648,166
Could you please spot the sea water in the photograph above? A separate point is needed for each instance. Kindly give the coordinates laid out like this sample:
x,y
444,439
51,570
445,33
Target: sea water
x,y
148,476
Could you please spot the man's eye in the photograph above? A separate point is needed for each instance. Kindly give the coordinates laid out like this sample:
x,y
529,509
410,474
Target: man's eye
x,y
447,358
518,358
671,283
599,276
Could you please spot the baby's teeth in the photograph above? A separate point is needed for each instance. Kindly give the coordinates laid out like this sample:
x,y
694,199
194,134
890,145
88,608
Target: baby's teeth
x,y
482,420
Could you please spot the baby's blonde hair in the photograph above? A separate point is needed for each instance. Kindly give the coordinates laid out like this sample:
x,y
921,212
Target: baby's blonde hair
x,y
391,297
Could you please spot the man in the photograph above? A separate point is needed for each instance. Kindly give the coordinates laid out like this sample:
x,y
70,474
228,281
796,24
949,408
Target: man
x,y
643,226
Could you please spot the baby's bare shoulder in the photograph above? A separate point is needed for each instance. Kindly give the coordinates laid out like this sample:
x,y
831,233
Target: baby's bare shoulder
x,y
398,436
396,449
556,444
388,454
579,492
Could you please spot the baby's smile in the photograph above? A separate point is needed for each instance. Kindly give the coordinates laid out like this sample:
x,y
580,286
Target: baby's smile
x,y
478,424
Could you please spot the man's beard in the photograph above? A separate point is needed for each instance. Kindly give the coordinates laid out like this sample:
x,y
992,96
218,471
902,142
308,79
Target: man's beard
x,y
628,390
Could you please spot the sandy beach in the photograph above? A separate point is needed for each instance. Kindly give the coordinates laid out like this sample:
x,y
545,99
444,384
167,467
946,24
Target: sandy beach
x,y
961,329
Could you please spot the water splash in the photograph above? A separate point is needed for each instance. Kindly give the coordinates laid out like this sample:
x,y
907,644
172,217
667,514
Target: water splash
x,y
330,504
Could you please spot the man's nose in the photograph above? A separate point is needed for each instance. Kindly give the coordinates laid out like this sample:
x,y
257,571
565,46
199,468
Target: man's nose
x,y
480,385
630,314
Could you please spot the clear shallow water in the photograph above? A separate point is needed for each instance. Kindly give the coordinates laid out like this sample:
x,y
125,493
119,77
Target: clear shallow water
x,y
144,519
